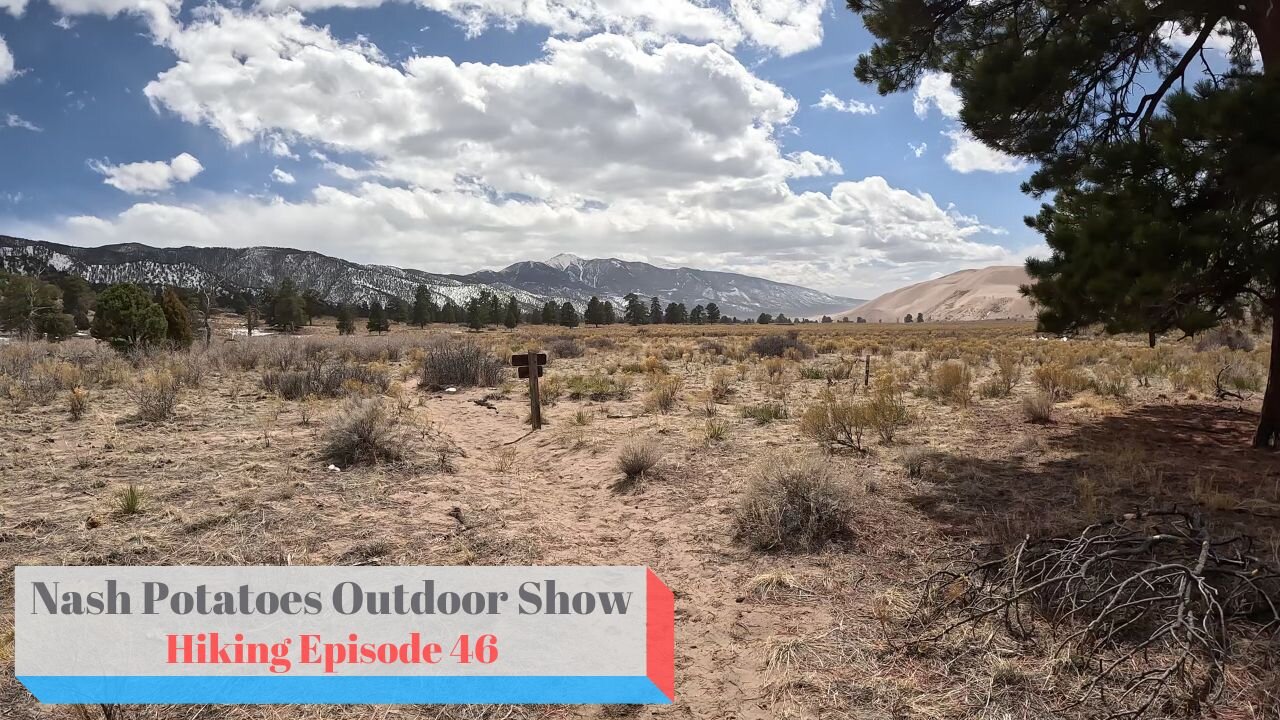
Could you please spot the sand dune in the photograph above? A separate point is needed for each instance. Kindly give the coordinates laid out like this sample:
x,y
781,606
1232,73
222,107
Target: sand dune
x,y
986,294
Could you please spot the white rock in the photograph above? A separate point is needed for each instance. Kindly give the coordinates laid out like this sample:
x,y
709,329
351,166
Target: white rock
x,y
334,468
451,390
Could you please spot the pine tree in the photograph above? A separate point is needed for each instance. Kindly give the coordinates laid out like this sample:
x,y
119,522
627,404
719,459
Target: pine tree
x,y
550,313
128,318
635,312
512,318
477,308
593,314
781,319
713,313
377,322
424,307
77,299
607,314
289,312
313,305
568,315
346,320
450,312
697,314
919,317
655,311
1162,215
177,320
764,319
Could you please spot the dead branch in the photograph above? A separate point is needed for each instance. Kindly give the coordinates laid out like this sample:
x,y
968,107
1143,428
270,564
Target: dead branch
x,y
1148,603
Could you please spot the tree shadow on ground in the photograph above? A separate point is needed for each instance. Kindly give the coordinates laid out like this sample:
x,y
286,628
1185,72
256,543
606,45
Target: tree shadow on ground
x,y
1068,475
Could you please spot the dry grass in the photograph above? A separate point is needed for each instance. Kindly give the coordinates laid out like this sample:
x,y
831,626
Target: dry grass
x,y
794,502
236,473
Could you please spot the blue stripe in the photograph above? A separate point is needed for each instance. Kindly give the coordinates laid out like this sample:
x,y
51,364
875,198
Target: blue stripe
x,y
343,689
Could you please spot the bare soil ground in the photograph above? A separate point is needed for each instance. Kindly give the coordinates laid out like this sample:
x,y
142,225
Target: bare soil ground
x,y
239,476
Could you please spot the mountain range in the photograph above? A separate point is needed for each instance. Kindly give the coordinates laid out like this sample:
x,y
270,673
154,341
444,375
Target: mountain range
x,y
532,283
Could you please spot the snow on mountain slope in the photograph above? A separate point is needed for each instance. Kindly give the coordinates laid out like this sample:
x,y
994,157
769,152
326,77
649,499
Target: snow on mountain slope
x,y
563,277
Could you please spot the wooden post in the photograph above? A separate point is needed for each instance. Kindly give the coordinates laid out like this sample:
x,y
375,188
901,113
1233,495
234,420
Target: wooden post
x,y
866,376
535,401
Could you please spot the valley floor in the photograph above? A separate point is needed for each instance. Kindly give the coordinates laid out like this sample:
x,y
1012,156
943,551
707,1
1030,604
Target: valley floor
x,y
238,476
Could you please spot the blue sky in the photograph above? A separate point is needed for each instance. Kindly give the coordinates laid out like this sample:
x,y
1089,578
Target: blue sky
x,y
453,136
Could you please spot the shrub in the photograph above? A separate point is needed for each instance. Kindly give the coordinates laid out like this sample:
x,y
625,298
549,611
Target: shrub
x,y
332,378
951,382
1225,337
1008,372
77,402
716,430
663,394
1059,380
1111,381
1038,407
363,431
597,387
129,500
914,460
836,422
721,386
793,503
565,347
886,411
765,413
778,345
635,458
447,362
156,394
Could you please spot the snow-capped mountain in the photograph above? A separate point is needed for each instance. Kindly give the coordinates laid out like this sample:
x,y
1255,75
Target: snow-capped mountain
x,y
563,277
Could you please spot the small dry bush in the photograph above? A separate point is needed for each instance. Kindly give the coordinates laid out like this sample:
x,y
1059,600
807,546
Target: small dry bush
x,y
635,458
716,430
765,413
326,378
364,431
156,395
833,421
565,348
597,386
886,410
952,383
1038,407
1008,373
1112,381
778,345
663,394
1060,380
721,385
77,402
1225,338
793,502
447,362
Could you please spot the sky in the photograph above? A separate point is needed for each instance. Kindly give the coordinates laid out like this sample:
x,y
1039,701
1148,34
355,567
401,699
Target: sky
x,y
458,135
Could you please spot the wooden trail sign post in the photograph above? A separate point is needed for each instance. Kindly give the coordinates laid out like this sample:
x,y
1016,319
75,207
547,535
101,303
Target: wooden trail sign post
x,y
530,366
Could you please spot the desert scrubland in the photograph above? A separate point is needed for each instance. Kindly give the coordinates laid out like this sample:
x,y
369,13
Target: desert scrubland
x,y
944,536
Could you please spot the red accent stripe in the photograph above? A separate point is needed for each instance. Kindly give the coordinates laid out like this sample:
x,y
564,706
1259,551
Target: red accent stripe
x,y
660,629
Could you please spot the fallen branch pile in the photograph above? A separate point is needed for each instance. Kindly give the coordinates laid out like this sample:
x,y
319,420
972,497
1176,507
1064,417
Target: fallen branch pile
x,y
1146,605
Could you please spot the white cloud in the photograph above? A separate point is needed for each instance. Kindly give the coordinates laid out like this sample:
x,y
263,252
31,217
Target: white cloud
x,y
8,70
968,154
15,121
15,7
160,15
918,150
934,89
651,118
664,19
282,177
604,142
854,107
148,177
784,26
